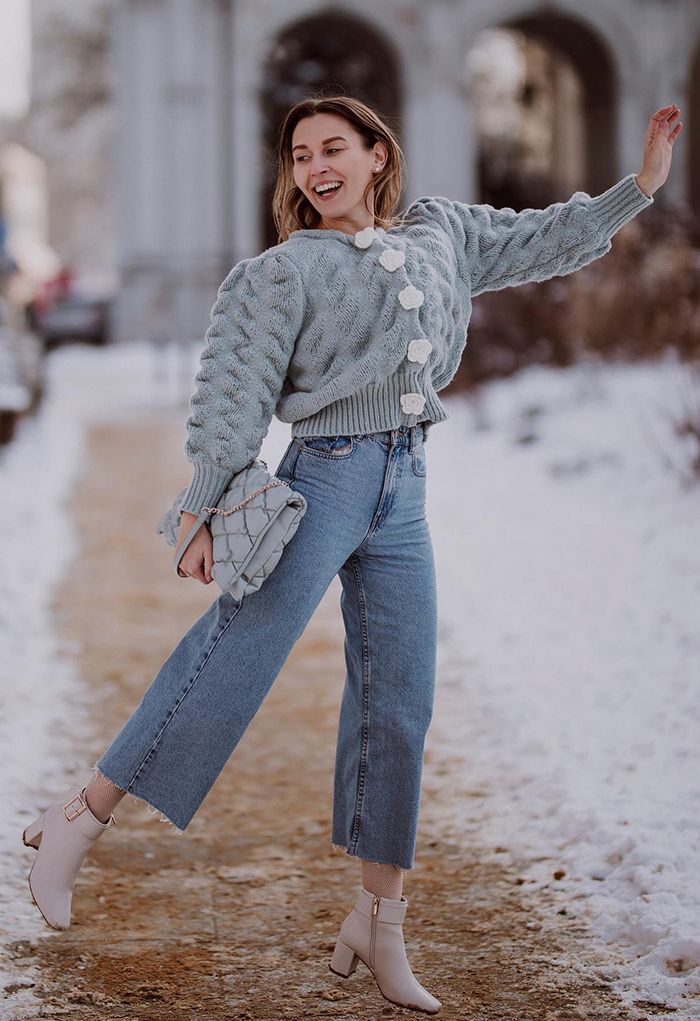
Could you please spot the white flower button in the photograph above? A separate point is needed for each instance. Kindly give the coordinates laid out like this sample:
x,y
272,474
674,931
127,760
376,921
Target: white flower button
x,y
418,350
392,258
411,297
365,237
412,404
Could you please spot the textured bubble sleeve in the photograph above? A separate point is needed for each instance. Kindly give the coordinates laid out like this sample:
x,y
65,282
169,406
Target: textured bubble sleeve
x,y
255,322
499,248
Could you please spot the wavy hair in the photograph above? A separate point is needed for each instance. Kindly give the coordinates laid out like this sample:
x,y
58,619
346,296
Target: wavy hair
x,y
291,210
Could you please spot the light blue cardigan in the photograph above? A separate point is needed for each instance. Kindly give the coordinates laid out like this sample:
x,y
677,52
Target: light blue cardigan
x,y
353,333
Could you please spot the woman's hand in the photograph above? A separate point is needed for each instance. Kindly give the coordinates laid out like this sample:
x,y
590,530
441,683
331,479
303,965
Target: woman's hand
x,y
658,142
198,558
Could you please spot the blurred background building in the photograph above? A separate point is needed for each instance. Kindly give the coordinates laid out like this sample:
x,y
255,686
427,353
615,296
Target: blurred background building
x,y
144,160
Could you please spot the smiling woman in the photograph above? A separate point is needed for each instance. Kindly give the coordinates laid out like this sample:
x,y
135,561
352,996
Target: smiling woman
x,y
337,175
348,329
340,168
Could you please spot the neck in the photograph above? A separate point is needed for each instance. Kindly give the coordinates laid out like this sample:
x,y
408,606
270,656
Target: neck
x,y
345,227
348,224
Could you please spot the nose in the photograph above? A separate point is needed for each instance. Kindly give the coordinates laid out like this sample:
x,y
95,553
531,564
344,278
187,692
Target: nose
x,y
317,166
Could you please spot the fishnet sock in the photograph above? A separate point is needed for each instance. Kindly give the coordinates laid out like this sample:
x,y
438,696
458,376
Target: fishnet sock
x,y
382,880
102,796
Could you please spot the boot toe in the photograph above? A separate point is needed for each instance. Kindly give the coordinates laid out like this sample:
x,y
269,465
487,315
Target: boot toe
x,y
55,909
417,998
430,1003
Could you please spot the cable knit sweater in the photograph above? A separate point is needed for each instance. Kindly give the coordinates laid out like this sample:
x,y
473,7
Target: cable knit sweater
x,y
351,333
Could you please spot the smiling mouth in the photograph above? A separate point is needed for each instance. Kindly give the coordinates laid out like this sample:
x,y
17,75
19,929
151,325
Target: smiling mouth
x,y
325,195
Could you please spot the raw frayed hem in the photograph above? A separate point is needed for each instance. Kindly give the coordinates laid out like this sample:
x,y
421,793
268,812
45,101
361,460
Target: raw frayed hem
x,y
343,847
151,809
339,847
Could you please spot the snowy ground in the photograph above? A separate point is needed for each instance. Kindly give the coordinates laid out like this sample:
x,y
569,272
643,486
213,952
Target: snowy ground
x,y
42,704
569,571
569,577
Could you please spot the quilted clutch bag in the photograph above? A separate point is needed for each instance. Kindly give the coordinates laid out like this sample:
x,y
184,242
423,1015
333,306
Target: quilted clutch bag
x,y
254,520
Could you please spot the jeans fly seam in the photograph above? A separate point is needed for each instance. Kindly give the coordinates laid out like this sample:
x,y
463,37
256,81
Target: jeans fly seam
x,y
357,575
183,696
390,491
380,513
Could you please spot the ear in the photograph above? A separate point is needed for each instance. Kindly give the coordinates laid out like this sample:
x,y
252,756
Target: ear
x,y
381,154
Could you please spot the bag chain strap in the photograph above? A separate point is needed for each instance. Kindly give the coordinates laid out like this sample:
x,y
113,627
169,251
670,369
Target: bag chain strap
x,y
238,506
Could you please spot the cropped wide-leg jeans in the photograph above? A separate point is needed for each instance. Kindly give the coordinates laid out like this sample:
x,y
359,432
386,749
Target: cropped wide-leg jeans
x,y
366,522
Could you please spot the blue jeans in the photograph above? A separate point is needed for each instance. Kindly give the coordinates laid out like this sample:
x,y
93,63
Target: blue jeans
x,y
365,521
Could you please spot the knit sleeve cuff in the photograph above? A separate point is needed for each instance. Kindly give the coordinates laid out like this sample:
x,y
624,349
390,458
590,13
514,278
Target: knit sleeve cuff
x,y
619,204
206,488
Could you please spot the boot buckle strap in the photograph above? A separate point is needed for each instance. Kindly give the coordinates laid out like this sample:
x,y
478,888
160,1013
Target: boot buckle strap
x,y
71,811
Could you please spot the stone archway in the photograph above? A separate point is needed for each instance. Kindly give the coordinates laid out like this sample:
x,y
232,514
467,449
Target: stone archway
x,y
326,53
580,58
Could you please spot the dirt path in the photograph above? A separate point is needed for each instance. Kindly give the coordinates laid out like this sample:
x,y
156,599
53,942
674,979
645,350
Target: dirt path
x,y
238,917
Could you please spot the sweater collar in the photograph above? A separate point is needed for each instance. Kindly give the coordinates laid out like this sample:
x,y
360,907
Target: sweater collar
x,y
322,232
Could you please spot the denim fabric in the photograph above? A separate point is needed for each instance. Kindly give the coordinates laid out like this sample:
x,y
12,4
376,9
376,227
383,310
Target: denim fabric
x,y
366,522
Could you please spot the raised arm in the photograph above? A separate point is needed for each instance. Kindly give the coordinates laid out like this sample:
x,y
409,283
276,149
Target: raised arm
x,y
499,248
255,321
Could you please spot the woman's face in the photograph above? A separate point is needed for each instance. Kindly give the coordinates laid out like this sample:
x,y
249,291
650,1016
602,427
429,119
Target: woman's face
x,y
326,148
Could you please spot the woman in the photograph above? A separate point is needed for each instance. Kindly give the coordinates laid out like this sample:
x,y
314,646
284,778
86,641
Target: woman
x,y
347,329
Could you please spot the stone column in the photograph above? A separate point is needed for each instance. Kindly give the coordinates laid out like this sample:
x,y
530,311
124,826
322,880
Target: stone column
x,y
173,179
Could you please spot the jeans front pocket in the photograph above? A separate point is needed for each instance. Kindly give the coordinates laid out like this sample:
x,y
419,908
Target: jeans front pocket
x,y
335,447
285,469
418,459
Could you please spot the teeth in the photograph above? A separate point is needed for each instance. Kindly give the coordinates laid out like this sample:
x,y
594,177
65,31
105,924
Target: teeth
x,y
325,187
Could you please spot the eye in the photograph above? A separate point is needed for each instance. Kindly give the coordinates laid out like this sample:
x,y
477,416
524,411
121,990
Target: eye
x,y
333,148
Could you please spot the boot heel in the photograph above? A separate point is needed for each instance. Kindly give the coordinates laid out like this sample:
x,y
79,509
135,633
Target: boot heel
x,y
344,960
32,835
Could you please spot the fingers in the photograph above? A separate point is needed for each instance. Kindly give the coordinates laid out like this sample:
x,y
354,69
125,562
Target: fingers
x,y
665,111
202,570
198,560
198,573
662,118
660,123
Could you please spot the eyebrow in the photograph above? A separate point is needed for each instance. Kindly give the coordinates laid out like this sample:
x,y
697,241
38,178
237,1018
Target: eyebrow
x,y
325,141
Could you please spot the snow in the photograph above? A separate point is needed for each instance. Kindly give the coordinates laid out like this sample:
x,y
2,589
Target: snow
x,y
566,542
569,590
43,704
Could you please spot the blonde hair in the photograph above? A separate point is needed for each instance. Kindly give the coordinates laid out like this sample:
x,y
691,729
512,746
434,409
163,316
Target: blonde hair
x,y
291,210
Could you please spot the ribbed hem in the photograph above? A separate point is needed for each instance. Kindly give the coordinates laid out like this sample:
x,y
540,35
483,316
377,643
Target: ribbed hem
x,y
376,408
207,485
619,204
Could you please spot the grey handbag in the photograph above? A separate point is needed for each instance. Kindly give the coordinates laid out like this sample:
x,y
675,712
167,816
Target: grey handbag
x,y
254,520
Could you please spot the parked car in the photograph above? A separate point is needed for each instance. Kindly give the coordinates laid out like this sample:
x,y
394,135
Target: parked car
x,y
73,317
21,377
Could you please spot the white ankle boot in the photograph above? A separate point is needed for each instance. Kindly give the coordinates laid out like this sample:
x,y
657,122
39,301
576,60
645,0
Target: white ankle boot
x,y
373,934
63,834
